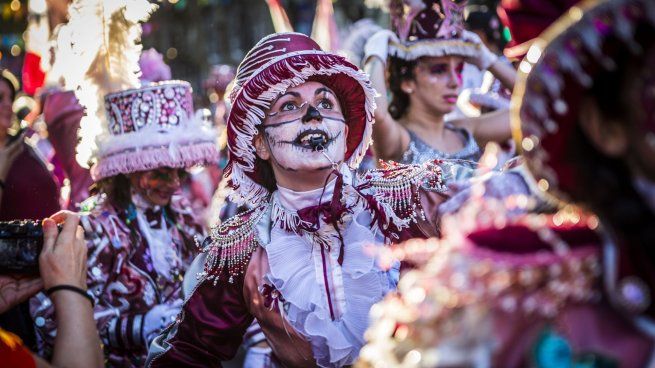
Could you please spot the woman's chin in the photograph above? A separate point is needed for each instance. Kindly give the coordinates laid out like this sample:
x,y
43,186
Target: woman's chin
x,y
160,200
314,167
447,109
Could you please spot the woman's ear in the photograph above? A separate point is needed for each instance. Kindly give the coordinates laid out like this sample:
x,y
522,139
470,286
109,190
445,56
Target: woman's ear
x,y
607,135
261,148
408,86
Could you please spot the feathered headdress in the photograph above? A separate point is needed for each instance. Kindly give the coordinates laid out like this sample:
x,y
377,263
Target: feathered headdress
x,y
98,53
128,127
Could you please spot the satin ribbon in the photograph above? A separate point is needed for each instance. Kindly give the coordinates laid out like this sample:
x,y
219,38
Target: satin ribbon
x,y
331,212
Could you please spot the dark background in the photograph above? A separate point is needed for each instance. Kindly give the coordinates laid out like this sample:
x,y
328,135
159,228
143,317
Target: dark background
x,y
193,35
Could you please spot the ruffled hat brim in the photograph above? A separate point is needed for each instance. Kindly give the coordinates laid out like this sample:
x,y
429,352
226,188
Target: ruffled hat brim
x,y
432,47
253,98
192,143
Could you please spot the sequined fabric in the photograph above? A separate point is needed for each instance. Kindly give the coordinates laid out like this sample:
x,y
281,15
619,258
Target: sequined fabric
x,y
122,279
464,161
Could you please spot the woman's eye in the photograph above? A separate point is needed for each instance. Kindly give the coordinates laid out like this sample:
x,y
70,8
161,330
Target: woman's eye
x,y
438,69
325,104
288,106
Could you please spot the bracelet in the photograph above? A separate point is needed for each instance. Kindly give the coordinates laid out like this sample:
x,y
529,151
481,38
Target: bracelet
x,y
72,288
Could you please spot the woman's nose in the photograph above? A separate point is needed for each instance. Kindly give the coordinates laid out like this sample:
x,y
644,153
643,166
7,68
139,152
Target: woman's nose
x,y
312,114
454,78
174,179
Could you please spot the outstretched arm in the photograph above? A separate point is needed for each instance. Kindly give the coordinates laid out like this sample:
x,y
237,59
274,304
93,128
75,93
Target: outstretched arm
x,y
485,59
504,72
491,127
63,262
389,138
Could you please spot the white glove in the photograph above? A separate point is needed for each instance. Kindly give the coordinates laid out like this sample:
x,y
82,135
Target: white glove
x,y
158,318
378,45
483,58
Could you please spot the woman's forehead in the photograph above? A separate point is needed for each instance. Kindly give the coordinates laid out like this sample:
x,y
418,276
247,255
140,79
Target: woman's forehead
x,y
310,87
431,60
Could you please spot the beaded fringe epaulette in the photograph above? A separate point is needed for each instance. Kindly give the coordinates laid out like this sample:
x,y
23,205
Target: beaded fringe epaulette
x,y
232,244
397,186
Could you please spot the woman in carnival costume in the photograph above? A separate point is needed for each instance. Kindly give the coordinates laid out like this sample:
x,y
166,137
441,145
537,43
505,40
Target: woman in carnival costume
x,y
139,230
425,55
569,289
298,262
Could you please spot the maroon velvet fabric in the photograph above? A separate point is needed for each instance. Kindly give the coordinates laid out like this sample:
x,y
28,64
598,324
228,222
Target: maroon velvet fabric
x,y
526,19
520,239
30,190
214,321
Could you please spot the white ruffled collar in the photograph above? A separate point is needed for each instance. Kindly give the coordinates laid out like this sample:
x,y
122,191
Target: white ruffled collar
x,y
160,241
296,271
285,203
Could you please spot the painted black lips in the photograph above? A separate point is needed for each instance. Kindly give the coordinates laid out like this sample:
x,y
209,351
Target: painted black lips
x,y
313,139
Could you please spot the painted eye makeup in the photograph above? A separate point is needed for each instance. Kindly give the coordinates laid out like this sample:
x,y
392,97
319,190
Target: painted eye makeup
x,y
460,68
288,106
167,175
325,104
438,69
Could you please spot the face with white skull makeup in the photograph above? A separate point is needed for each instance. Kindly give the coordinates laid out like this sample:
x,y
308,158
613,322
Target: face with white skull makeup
x,y
304,130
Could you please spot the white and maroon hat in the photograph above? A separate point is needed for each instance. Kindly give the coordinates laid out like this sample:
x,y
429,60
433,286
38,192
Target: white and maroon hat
x,y
151,127
276,63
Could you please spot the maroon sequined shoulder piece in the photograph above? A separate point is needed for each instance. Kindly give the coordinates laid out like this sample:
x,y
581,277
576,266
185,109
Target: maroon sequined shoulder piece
x,y
396,187
231,245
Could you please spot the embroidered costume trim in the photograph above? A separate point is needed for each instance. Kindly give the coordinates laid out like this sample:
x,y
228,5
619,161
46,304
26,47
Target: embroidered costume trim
x,y
232,244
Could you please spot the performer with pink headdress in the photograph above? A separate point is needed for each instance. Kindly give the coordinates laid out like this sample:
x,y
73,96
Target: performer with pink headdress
x,y
298,262
139,230
551,290
425,54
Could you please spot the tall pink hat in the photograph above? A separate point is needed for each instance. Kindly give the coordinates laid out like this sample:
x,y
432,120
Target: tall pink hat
x,y
151,127
276,63
428,28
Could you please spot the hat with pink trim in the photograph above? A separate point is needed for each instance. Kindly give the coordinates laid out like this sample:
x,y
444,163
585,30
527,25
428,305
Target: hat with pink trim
x,y
428,28
151,127
276,63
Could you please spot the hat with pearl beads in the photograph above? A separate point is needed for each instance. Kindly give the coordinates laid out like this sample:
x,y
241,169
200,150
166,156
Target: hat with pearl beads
x,y
151,127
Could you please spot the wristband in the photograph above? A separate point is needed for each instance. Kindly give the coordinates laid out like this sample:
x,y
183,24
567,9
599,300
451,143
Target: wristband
x,y
72,288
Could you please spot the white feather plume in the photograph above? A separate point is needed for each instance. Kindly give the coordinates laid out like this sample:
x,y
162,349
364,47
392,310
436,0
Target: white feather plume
x,y
100,49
